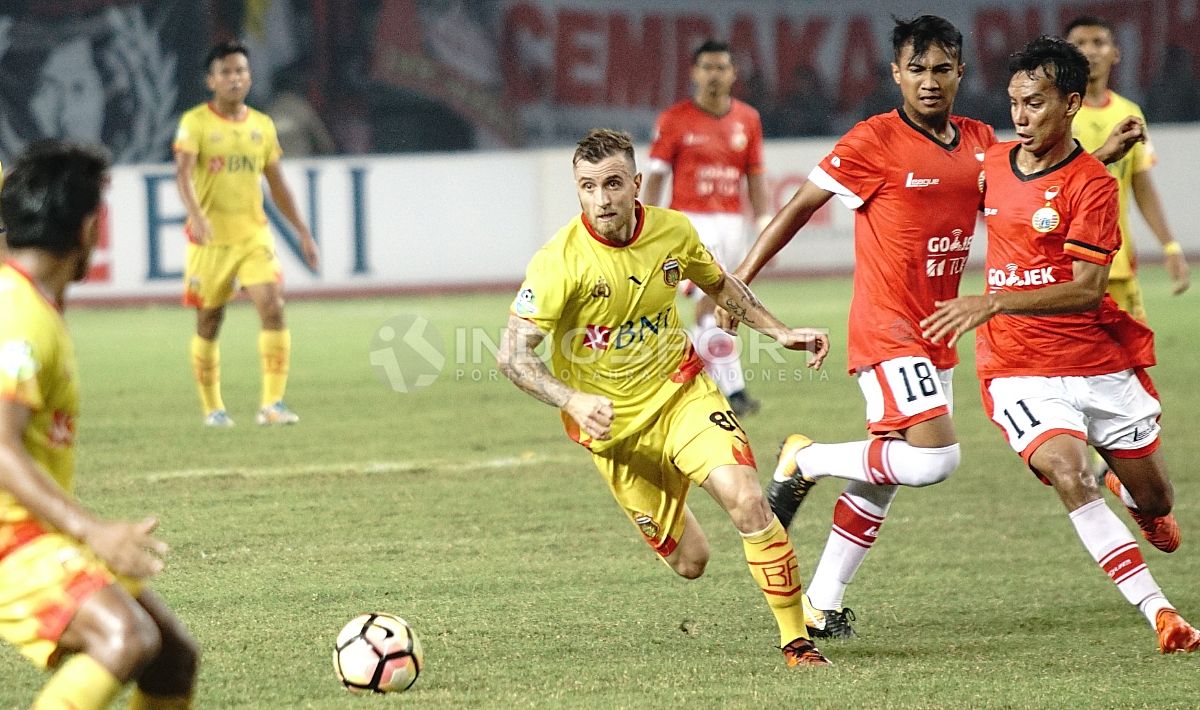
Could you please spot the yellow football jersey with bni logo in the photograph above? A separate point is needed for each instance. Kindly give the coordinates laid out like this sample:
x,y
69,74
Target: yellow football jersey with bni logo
x,y
37,371
1091,126
610,316
230,159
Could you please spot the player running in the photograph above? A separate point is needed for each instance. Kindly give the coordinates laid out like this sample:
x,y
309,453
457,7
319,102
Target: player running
x,y
632,389
1060,365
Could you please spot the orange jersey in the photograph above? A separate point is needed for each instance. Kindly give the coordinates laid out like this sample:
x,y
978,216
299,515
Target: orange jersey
x,y
1038,225
916,201
708,155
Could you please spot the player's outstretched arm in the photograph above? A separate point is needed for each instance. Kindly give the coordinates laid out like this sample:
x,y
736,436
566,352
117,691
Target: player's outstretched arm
x,y
965,313
780,230
282,196
520,363
198,224
127,548
731,294
1146,196
1130,131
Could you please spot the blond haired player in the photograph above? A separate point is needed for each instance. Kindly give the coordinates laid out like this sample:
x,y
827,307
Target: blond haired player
x,y
72,597
1102,109
223,150
630,385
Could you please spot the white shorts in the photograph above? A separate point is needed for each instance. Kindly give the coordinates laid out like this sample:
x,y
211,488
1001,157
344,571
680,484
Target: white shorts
x,y
905,391
724,234
1117,412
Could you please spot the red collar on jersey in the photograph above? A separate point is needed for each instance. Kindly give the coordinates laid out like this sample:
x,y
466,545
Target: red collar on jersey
x,y
639,217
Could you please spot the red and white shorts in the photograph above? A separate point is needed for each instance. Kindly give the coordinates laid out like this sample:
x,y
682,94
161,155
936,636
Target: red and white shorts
x,y
905,391
1117,412
725,235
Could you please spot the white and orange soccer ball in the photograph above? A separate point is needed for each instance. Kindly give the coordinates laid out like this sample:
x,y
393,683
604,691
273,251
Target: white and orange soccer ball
x,y
377,653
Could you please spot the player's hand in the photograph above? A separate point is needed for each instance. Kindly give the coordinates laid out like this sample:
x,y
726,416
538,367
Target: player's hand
x,y
593,414
199,228
128,548
1130,131
957,316
726,321
308,247
807,339
1177,269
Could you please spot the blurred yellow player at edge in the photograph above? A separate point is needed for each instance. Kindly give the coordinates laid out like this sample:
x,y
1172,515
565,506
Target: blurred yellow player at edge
x,y
72,591
630,386
223,150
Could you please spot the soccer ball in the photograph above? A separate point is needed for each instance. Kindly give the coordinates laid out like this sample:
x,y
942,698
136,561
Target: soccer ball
x,y
377,653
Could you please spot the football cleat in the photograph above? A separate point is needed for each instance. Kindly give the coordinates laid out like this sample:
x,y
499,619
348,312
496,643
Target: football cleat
x,y
828,623
785,496
802,652
276,415
218,419
1174,634
1162,532
743,404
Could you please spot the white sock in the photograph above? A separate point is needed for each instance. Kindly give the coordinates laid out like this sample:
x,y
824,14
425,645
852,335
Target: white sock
x,y
857,517
1114,549
722,358
880,462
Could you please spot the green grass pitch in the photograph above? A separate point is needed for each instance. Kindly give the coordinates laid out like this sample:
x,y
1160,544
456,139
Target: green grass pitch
x,y
464,509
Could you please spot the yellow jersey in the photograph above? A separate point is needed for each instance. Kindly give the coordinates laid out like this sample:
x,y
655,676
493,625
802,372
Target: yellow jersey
x,y
37,370
230,159
1092,126
609,313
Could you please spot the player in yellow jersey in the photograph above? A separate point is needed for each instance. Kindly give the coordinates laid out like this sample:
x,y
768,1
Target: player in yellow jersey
x,y
1102,109
631,388
223,150
72,593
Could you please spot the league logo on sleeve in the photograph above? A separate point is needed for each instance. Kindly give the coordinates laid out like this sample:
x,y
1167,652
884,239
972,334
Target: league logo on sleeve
x,y
523,305
17,363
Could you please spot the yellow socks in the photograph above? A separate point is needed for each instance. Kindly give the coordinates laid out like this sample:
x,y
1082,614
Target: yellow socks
x,y
773,565
79,684
141,700
275,349
206,366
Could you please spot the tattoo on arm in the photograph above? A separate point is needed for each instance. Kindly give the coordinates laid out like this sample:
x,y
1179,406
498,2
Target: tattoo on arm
x,y
742,303
521,364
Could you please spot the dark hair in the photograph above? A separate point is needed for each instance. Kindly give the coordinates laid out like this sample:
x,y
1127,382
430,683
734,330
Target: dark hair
x,y
712,45
1091,21
1063,63
600,143
924,32
51,189
224,49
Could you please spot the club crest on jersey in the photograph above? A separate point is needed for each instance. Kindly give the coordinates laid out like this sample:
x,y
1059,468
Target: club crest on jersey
x,y
671,272
523,305
646,524
601,289
256,136
1045,219
738,140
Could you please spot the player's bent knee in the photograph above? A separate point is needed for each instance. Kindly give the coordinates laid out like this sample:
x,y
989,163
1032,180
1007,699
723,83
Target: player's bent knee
x,y
689,568
936,464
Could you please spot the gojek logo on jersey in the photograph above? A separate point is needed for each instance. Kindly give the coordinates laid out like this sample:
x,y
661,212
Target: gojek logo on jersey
x,y
1012,275
631,332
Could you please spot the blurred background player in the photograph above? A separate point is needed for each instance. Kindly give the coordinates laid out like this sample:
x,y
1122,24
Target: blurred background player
x,y
72,597
631,387
706,145
223,150
1060,365
1102,109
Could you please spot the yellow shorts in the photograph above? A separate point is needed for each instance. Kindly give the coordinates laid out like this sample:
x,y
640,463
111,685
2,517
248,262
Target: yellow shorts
x,y
213,270
44,578
649,472
1128,295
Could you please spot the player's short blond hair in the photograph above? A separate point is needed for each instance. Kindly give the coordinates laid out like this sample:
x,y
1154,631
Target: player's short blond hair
x,y
601,143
